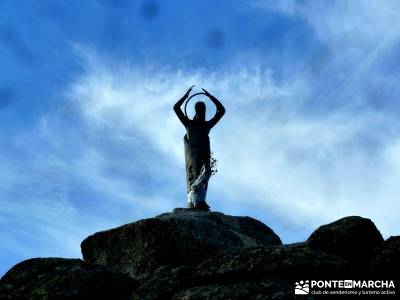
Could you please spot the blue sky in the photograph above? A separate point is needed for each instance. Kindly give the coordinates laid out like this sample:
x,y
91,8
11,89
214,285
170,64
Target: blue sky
x,y
90,141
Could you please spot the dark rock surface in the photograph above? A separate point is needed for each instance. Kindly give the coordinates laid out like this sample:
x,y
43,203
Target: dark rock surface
x,y
264,289
191,254
61,278
183,237
387,259
238,273
353,238
281,261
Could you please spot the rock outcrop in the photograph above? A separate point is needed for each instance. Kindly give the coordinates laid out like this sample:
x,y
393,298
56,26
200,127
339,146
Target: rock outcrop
x,y
243,273
190,254
183,237
387,258
353,238
61,278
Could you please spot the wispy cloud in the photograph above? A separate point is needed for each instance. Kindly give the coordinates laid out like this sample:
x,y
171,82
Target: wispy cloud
x,y
359,36
311,131
305,169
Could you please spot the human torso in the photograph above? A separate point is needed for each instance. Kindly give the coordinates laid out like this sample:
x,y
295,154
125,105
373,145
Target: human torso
x,y
197,134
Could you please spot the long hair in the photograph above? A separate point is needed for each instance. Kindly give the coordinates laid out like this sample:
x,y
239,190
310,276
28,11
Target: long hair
x,y
200,109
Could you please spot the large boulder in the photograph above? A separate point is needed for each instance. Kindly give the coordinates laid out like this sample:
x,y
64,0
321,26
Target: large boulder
x,y
184,283
183,237
60,278
244,273
190,254
387,259
277,262
353,238
265,289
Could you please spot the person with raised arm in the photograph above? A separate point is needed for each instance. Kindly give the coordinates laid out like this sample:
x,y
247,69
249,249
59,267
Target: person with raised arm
x,y
197,147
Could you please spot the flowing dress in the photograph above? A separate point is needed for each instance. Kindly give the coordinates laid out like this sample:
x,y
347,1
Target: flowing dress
x,y
197,149
197,152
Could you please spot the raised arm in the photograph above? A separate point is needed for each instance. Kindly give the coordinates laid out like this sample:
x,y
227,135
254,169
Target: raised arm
x,y
178,110
220,109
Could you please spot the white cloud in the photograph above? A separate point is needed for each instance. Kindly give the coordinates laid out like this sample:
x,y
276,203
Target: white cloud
x,y
35,208
274,156
357,33
307,170
342,23
60,183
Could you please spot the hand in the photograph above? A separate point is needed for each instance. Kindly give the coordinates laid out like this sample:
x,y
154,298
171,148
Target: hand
x,y
189,90
207,93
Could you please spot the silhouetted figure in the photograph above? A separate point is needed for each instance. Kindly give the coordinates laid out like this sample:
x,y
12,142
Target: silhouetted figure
x,y
197,148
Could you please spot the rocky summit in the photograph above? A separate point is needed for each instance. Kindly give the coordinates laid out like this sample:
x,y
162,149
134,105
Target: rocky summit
x,y
184,237
190,254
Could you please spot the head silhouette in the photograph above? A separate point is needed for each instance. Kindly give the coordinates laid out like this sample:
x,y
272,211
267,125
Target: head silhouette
x,y
200,109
